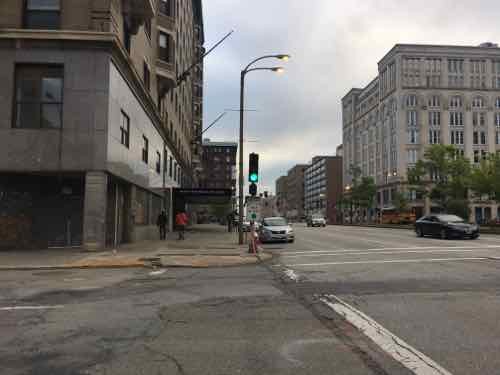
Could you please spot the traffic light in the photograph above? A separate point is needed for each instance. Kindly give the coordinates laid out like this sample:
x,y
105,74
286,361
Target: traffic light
x,y
253,189
253,168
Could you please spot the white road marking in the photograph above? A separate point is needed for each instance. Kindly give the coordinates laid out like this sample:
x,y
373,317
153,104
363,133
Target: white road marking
x,y
292,275
157,273
385,261
379,253
13,308
392,248
397,348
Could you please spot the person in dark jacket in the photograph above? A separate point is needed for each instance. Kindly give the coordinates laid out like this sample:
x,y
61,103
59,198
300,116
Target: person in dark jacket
x,y
161,222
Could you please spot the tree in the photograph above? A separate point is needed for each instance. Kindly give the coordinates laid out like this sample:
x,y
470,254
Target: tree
x,y
485,179
444,176
401,202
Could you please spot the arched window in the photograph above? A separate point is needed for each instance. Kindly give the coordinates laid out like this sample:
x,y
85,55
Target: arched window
x,y
478,102
456,101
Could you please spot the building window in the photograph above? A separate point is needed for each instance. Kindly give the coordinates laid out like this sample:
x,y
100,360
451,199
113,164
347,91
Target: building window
x,y
434,137
434,101
483,138
412,156
497,119
127,36
478,118
412,118
125,130
39,97
164,48
146,76
170,167
42,14
158,162
476,156
413,136
475,138
457,137
145,150
434,118
141,216
411,100
175,171
165,7
478,102
456,102
497,138
456,119
455,73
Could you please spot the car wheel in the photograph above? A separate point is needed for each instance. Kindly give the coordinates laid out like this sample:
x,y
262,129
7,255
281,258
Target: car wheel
x,y
420,232
444,235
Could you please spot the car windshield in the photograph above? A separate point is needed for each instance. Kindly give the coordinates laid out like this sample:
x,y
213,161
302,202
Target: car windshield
x,y
450,219
275,222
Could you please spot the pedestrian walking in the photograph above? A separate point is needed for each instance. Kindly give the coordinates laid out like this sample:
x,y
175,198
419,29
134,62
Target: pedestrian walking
x,y
181,221
161,222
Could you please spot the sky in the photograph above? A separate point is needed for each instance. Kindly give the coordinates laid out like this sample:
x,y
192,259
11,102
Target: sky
x,y
335,45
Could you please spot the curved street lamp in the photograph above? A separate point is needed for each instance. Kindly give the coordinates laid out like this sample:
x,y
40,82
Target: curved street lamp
x,y
244,72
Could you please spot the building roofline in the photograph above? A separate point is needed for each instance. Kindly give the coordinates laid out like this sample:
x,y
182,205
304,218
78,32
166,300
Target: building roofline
x,y
420,45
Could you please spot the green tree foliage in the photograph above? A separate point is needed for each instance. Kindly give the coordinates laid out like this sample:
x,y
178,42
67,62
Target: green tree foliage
x,y
485,179
401,202
444,176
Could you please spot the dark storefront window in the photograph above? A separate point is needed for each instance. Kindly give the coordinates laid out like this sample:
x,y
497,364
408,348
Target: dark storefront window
x,y
42,14
39,97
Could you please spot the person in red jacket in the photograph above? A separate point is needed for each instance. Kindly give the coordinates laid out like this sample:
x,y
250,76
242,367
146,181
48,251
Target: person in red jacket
x,y
181,220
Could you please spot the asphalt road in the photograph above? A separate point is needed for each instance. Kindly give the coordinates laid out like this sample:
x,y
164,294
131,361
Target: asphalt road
x,y
441,297
239,320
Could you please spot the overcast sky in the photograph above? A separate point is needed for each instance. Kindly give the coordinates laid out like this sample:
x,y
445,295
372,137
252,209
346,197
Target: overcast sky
x,y
335,45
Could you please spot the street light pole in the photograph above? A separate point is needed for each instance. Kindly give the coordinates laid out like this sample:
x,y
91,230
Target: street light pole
x,y
242,106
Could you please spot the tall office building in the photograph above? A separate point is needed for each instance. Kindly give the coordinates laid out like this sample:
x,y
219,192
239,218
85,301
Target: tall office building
x,y
423,95
96,124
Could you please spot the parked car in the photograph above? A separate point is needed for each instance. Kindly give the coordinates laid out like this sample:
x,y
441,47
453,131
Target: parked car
x,y
276,229
445,226
316,221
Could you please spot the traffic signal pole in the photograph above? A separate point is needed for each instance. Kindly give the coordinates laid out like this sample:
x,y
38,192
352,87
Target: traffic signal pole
x,y
240,205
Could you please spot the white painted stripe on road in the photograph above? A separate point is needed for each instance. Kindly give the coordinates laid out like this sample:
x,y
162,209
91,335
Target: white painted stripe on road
x,y
384,261
392,248
13,308
397,348
379,253
157,273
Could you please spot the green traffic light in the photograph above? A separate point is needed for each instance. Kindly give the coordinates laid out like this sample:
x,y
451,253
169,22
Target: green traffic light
x,y
254,177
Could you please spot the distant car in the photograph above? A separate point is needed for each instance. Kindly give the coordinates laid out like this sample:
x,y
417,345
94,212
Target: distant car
x,y
445,226
316,221
276,229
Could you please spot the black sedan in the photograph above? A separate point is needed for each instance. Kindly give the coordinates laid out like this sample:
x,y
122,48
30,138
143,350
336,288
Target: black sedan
x,y
445,227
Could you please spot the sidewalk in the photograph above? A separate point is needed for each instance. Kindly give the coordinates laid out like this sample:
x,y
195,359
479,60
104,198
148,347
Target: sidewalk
x,y
205,246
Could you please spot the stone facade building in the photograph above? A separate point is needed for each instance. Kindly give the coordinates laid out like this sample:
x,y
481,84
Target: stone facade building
x,y
323,187
423,95
96,126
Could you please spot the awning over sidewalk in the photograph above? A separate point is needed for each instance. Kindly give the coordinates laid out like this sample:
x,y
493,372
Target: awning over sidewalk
x,y
202,196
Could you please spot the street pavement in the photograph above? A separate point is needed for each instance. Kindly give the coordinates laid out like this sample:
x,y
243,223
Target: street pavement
x,y
340,300
438,297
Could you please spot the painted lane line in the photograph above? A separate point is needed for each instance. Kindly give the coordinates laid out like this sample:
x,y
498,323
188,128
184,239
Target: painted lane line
x,y
393,248
14,308
380,253
397,348
157,273
385,261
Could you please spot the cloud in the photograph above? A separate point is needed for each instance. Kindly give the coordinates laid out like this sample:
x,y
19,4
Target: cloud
x,y
335,45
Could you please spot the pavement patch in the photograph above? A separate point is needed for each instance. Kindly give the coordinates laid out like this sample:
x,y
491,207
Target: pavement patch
x,y
396,347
